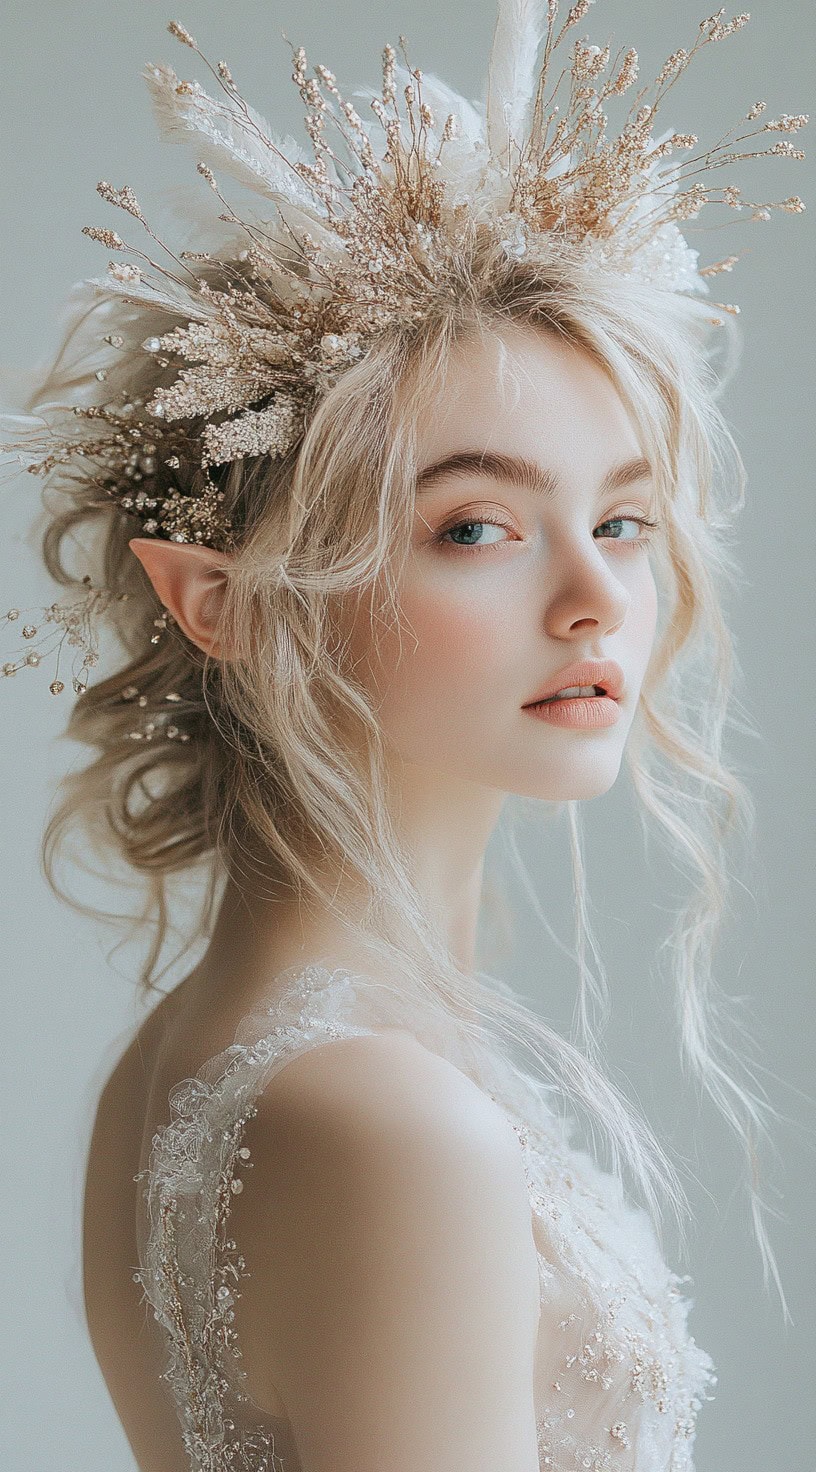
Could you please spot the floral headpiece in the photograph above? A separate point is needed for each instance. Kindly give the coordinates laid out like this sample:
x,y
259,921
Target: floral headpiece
x,y
363,235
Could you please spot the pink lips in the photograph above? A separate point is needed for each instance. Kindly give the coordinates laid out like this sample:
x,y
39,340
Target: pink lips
x,y
603,672
582,711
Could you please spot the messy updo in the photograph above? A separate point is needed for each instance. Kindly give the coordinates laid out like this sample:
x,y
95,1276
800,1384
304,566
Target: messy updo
x,y
283,747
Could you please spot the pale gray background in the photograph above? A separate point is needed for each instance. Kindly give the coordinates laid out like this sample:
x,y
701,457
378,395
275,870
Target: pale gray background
x,y
73,110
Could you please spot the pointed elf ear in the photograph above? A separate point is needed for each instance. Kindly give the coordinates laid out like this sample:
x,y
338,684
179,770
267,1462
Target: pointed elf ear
x,y
189,581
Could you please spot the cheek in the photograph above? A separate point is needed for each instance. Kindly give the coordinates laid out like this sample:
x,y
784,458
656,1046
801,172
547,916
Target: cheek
x,y
451,655
645,611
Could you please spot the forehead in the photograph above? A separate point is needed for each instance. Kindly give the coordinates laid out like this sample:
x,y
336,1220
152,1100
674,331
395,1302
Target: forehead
x,y
524,391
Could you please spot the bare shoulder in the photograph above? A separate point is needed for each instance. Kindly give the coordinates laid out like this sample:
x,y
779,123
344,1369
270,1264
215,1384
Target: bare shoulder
x,y
394,1264
370,1123
382,1085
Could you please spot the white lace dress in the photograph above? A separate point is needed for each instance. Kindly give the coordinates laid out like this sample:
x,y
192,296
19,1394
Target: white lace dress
x,y
618,1378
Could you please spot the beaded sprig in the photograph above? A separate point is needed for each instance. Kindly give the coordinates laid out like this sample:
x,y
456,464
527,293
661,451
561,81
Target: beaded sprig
x,y
364,237
157,723
61,623
76,624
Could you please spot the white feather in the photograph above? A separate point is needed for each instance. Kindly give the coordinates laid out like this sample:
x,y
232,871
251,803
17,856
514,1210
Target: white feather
x,y
463,159
222,139
181,303
512,73
440,98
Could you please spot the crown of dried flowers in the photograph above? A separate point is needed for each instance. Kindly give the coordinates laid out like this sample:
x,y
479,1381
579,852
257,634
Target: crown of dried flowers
x,y
362,234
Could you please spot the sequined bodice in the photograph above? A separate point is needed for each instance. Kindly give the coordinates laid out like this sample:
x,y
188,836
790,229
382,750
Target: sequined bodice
x,y
618,1379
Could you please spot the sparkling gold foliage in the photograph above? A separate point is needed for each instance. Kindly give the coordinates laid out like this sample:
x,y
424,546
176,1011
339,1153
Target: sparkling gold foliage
x,y
373,228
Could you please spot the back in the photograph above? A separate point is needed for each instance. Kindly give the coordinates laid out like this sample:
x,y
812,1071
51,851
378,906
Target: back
x,y
389,1309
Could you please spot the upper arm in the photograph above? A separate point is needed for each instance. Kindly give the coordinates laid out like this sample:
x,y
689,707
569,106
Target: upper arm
x,y
398,1269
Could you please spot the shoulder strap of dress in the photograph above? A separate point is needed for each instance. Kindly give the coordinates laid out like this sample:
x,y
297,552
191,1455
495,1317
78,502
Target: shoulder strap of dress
x,y
189,1266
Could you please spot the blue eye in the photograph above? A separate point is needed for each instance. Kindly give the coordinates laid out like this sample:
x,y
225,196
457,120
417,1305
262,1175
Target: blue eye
x,y
647,527
469,526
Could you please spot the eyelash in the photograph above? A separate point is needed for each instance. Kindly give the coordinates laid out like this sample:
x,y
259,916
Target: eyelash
x,y
642,521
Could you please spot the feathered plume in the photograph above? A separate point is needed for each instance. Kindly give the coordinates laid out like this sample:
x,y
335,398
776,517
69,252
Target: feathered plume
x,y
512,72
226,137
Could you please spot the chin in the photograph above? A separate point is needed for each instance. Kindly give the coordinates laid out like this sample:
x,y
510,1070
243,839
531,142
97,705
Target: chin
x,y
590,778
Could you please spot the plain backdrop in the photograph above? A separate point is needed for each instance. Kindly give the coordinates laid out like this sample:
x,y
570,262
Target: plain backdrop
x,y
73,109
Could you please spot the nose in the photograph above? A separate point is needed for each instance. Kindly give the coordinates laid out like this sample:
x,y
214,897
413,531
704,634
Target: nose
x,y
583,593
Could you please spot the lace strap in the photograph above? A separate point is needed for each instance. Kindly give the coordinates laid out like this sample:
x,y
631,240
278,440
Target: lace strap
x,y
190,1266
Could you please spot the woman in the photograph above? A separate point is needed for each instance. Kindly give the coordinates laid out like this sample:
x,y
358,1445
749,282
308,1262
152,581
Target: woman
x,y
458,536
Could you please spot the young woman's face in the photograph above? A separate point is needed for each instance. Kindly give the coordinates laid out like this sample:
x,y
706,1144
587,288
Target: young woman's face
x,y
507,583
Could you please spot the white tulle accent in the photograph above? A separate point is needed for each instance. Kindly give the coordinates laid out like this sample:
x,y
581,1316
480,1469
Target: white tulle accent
x,y
619,1380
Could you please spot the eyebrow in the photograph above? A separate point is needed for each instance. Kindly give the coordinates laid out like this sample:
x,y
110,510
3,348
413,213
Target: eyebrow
x,y
515,470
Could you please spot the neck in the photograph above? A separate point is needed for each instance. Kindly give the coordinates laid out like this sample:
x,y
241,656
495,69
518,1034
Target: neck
x,y
262,927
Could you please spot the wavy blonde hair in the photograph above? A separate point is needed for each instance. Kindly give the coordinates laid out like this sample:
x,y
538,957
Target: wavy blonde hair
x,y
285,746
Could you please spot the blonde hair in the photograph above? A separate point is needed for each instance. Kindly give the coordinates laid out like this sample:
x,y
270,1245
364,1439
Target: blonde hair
x,y
285,746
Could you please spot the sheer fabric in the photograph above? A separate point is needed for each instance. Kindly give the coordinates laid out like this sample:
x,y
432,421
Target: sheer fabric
x,y
618,1378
